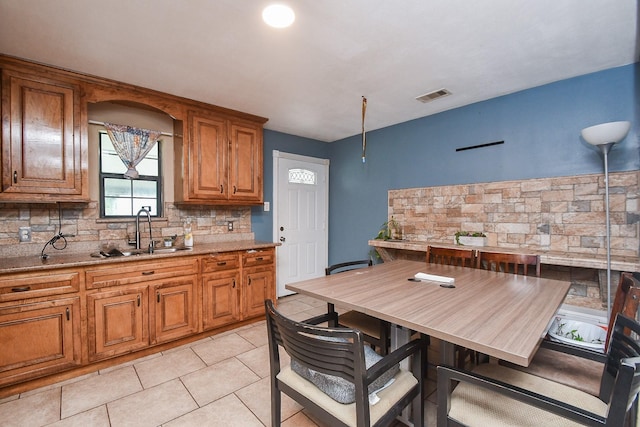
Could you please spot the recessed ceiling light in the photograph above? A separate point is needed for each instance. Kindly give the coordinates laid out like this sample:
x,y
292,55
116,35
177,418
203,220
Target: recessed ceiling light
x,y
278,15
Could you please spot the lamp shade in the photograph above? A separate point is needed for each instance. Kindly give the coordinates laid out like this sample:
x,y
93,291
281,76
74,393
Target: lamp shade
x,y
606,133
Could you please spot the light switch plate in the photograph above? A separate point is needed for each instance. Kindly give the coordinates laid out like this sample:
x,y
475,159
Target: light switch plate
x,y
267,206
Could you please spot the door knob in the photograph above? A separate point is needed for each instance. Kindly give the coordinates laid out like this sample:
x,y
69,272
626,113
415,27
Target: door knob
x,y
282,239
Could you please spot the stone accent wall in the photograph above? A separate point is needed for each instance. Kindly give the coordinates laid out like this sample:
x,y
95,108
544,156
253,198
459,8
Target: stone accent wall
x,y
564,214
209,224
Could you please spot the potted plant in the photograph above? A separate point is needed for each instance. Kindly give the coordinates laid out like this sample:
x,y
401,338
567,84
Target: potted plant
x,y
470,238
390,230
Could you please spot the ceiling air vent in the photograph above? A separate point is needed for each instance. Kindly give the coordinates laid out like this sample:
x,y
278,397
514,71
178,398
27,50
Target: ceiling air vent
x,y
431,96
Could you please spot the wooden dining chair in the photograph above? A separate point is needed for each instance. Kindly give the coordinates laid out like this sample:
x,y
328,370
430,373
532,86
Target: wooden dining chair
x,y
451,256
508,262
494,395
338,379
579,367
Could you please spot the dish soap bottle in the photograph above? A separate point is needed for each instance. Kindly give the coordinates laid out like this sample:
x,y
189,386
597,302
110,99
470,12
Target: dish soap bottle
x,y
188,235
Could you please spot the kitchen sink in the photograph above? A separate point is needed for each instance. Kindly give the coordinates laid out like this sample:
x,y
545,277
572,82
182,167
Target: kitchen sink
x,y
114,253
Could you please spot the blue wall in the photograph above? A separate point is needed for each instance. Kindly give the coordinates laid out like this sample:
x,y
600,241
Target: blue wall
x,y
540,127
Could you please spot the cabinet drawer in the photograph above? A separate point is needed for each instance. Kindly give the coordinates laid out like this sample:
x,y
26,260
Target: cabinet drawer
x,y
220,262
128,273
21,286
259,257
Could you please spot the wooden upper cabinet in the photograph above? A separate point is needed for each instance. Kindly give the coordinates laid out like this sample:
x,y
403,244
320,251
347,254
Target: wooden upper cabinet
x,y
221,161
245,162
208,158
43,156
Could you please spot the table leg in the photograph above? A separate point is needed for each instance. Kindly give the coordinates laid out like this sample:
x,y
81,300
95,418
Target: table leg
x,y
447,353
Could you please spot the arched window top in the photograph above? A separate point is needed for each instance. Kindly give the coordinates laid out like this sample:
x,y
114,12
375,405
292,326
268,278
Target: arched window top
x,y
302,176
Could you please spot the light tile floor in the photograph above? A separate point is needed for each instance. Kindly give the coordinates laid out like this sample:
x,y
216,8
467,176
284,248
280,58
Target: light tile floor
x,y
218,381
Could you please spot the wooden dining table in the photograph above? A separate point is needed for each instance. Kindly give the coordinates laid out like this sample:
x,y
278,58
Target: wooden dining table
x,y
499,314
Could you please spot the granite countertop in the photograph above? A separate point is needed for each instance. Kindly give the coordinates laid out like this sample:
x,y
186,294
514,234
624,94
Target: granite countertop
x,y
546,257
62,259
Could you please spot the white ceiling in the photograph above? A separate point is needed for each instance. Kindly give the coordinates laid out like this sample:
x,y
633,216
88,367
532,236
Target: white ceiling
x,y
309,79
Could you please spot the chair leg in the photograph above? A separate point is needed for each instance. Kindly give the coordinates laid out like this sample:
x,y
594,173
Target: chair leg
x,y
276,398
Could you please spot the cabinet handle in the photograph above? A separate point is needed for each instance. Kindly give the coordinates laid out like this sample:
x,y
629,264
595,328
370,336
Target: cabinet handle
x,y
234,284
138,300
68,314
259,258
221,263
21,289
15,177
148,273
221,189
249,282
234,189
158,296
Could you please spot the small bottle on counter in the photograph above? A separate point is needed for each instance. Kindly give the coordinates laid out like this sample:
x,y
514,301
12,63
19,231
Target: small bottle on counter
x,y
188,235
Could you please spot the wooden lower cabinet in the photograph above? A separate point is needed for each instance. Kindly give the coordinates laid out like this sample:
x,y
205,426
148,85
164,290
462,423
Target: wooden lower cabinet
x,y
39,338
125,320
173,311
117,322
220,299
258,283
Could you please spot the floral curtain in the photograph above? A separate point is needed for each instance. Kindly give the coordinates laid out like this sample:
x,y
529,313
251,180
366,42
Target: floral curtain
x,y
131,144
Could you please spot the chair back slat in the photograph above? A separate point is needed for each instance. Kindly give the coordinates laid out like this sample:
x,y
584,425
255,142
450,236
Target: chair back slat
x,y
626,301
346,266
508,262
337,352
451,256
624,344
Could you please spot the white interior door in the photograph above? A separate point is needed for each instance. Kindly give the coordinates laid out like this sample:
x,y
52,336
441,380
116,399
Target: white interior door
x,y
300,215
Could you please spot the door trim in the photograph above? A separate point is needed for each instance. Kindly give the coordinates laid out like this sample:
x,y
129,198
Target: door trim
x,y
277,155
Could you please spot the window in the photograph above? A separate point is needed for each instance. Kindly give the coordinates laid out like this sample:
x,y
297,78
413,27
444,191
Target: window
x,y
122,197
302,176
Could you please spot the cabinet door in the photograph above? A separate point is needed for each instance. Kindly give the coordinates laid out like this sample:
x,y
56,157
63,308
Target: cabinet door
x,y
220,299
39,339
117,321
257,284
245,165
173,309
41,144
207,158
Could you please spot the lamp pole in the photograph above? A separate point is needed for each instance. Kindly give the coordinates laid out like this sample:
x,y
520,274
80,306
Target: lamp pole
x,y
605,148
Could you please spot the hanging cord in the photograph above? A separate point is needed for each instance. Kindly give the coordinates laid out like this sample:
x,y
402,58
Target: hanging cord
x,y
57,237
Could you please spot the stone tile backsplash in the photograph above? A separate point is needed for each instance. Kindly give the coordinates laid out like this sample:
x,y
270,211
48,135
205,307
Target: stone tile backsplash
x,y
564,214
209,224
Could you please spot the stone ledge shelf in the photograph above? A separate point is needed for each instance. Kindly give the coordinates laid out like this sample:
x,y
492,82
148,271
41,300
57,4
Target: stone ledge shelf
x,y
388,250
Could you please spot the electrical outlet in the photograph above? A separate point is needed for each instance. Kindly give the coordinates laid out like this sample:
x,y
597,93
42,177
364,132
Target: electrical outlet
x,y
24,233
230,225
267,206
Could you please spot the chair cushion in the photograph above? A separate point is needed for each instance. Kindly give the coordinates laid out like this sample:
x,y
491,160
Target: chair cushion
x,y
574,371
338,388
403,382
475,406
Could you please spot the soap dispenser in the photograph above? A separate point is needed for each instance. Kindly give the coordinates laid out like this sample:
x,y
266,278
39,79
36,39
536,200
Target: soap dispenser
x,y
188,235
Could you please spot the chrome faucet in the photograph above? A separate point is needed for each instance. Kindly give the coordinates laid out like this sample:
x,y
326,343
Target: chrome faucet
x,y
151,243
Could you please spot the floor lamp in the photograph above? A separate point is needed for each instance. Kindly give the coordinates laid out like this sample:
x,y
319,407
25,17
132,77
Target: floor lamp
x,y
604,136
